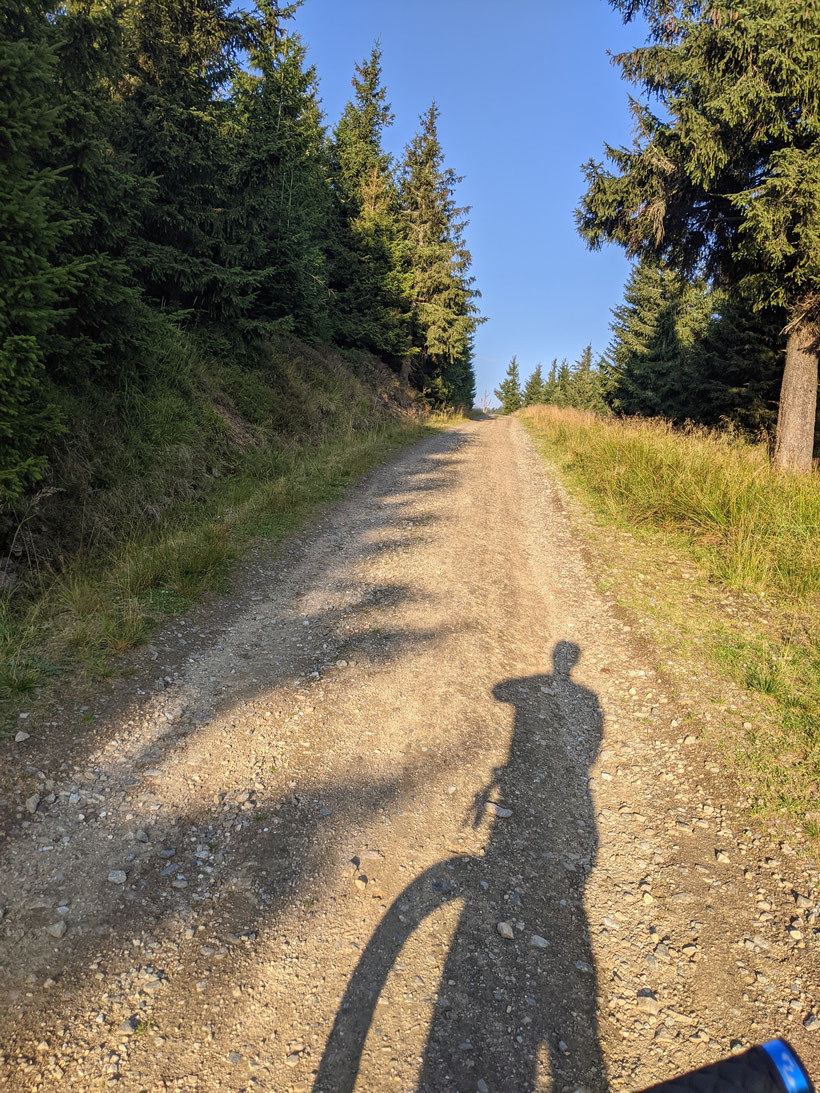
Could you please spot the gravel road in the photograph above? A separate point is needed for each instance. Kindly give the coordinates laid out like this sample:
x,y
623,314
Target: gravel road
x,y
411,810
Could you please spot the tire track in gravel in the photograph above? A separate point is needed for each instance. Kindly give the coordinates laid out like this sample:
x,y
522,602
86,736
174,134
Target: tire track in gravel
x,y
409,811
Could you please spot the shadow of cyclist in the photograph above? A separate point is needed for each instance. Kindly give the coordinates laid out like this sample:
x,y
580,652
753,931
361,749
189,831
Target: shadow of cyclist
x,y
516,1013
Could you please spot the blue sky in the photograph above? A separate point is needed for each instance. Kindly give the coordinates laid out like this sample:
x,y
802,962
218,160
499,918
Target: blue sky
x,y
527,93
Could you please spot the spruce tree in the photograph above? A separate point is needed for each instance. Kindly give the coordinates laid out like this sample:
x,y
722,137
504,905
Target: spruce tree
x,y
508,391
563,385
725,174
282,198
586,391
107,327
655,330
180,56
551,382
534,388
366,279
440,288
736,366
32,227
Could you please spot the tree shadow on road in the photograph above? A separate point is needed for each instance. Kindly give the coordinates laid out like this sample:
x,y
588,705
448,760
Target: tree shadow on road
x,y
356,617
519,1014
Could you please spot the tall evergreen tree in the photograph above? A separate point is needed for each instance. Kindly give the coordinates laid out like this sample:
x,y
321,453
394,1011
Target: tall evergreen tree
x,y
736,366
551,382
180,58
726,174
508,391
534,388
587,384
442,296
281,195
107,325
563,385
366,278
32,228
654,332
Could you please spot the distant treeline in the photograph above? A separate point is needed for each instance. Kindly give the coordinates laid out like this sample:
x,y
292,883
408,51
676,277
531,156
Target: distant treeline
x,y
165,167
582,385
680,349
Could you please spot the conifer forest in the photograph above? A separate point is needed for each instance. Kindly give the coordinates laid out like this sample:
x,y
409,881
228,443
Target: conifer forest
x,y
169,185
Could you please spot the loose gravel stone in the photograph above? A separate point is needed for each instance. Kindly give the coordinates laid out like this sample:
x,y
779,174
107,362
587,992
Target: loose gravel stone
x,y
497,810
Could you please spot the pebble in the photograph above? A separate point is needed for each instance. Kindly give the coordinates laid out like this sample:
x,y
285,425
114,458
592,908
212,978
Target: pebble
x,y
537,941
648,1003
32,802
117,876
21,736
497,810
812,1023
57,929
505,930
481,1086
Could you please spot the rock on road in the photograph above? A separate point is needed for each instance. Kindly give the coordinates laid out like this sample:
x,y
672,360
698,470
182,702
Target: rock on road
x,y
410,811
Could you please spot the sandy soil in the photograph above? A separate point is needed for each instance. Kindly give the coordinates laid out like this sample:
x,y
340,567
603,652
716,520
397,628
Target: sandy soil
x,y
411,810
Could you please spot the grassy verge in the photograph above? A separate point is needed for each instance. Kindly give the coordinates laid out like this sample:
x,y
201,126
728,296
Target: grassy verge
x,y
149,505
724,555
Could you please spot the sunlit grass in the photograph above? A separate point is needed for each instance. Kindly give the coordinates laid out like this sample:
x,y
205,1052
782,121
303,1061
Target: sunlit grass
x,y
745,528
754,528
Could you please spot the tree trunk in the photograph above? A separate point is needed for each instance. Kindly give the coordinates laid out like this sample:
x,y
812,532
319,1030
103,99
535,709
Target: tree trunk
x,y
794,443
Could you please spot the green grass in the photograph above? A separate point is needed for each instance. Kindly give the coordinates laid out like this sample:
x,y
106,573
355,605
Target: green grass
x,y
753,528
742,531
144,518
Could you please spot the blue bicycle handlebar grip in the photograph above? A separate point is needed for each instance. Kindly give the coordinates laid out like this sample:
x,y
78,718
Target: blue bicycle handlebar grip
x,y
773,1068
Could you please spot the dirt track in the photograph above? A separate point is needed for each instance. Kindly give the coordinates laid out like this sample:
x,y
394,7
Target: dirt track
x,y
307,790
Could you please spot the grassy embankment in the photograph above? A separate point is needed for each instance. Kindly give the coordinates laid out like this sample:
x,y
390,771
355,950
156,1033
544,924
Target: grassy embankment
x,y
153,493
725,557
